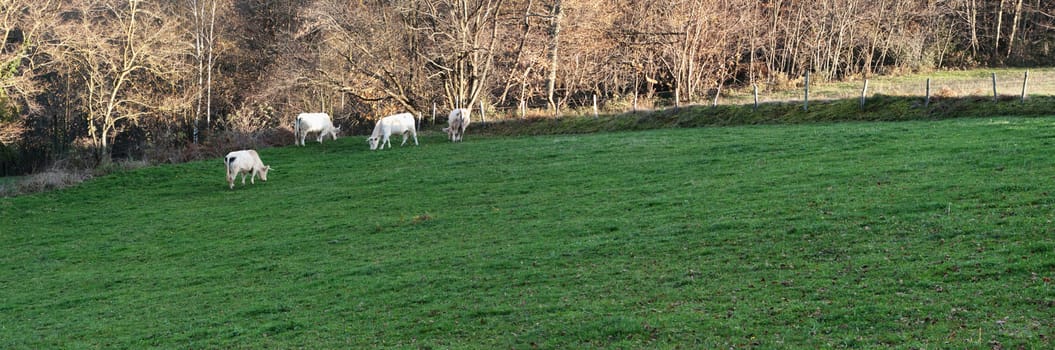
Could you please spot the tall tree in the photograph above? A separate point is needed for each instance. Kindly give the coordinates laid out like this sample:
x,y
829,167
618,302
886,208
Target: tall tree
x,y
118,50
463,36
21,28
367,50
1014,27
203,25
556,16
998,27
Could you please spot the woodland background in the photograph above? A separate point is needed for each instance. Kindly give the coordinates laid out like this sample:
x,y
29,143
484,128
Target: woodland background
x,y
83,82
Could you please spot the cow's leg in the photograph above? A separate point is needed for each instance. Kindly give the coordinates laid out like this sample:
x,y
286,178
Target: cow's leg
x,y
414,132
243,178
404,140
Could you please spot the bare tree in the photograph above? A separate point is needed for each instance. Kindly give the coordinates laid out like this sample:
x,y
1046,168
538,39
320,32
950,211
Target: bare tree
x,y
517,67
1014,27
118,51
695,45
972,21
21,28
374,50
556,15
460,46
203,14
998,27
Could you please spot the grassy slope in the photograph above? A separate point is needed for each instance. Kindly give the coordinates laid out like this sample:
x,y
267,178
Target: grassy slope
x,y
853,234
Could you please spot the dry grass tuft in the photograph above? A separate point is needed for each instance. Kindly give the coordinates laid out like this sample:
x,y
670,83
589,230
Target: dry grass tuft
x,y
52,179
422,218
945,92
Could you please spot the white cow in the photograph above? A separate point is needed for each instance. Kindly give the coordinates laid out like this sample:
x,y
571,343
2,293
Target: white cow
x,y
314,122
244,162
458,121
401,123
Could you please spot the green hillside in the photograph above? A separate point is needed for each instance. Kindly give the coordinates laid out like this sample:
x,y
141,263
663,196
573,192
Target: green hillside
x,y
924,234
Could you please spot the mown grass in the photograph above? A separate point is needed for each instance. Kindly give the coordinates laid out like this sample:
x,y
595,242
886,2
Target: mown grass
x,y
859,235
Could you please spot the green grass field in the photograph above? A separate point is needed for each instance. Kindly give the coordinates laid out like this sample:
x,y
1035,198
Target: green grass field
x,y
926,234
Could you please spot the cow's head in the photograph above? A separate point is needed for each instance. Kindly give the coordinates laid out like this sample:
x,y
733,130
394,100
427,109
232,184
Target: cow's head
x,y
373,140
332,132
263,172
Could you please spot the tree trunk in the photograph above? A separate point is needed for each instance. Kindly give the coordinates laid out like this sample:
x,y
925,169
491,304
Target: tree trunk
x,y
210,44
1014,27
479,74
971,7
999,24
551,80
519,53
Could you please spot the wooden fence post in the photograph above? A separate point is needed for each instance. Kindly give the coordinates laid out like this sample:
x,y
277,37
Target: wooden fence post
x,y
717,92
994,87
927,102
483,116
635,101
677,98
594,106
756,97
864,92
523,110
806,97
1025,79
434,113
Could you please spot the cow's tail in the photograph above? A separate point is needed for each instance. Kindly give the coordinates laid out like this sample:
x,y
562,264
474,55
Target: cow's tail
x,y
227,167
296,131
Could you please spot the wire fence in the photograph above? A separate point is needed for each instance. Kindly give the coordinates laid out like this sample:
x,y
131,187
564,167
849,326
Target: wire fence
x,y
982,84
997,84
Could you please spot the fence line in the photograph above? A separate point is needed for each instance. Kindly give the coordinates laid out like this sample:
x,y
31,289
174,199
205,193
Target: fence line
x,y
1016,84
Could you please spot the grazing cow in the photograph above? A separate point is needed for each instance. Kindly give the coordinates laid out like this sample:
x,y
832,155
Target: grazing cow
x,y
314,122
458,121
402,123
244,162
